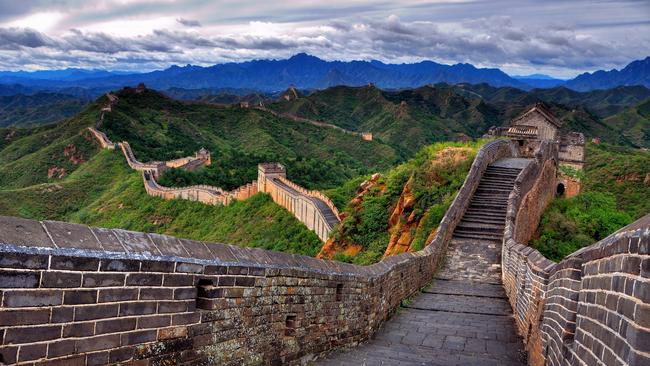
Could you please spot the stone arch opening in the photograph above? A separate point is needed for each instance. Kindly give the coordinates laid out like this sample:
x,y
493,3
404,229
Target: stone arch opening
x,y
560,189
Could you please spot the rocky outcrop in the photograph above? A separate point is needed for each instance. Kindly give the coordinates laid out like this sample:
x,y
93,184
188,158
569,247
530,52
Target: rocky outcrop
x,y
336,244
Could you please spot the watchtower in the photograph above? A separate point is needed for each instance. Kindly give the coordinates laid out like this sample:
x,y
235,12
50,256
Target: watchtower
x,y
267,171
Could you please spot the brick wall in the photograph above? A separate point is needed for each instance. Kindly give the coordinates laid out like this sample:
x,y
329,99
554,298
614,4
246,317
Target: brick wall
x,y
74,295
592,308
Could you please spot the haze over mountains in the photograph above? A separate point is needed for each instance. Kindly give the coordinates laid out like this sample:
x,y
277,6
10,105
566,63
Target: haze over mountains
x,y
309,72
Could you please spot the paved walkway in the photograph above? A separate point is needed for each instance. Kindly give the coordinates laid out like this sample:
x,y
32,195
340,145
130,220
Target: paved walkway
x,y
463,318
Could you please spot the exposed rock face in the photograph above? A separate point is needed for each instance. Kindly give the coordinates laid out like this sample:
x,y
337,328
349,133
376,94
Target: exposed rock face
x,y
335,245
55,172
402,222
73,155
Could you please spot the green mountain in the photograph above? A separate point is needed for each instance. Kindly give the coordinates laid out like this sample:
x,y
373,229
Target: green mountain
x,y
38,109
407,119
615,192
634,123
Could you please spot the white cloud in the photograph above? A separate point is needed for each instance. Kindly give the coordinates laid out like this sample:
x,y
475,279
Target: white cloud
x,y
561,38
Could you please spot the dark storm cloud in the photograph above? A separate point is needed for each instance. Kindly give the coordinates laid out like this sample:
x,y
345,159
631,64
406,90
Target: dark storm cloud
x,y
14,38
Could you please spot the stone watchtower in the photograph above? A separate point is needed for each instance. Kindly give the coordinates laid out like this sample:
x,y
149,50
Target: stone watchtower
x,y
267,171
204,154
537,124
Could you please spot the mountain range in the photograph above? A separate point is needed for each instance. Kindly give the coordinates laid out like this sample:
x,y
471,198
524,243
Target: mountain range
x,y
309,72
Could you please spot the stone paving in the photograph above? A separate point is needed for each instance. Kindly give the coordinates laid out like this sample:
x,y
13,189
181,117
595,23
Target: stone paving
x,y
463,318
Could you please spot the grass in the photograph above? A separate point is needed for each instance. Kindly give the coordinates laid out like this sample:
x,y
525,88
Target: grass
x,y
615,192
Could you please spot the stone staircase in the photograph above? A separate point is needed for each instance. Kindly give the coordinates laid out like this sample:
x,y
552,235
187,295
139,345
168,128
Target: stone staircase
x,y
464,317
485,217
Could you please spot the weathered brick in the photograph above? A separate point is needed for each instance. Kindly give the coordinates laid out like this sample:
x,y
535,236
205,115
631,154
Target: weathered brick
x,y
22,260
157,266
119,265
103,279
29,352
115,325
178,280
215,270
118,294
62,314
91,312
138,337
226,281
138,308
144,279
60,279
32,334
184,267
97,358
156,293
60,348
154,321
77,297
171,307
245,281
121,354
18,298
237,270
19,279
186,318
74,263
79,329
9,354
98,343
24,317
185,293
173,332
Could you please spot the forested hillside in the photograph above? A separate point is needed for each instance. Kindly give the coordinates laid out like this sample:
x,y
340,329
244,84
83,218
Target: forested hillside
x,y
615,192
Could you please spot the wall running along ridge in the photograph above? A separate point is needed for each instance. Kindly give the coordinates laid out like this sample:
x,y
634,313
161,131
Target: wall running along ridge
x,y
75,295
312,208
592,308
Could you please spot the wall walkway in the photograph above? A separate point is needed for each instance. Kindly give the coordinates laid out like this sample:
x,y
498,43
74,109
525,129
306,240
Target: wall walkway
x,y
76,295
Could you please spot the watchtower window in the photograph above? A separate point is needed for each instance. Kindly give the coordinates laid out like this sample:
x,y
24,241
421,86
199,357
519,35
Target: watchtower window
x,y
339,292
560,189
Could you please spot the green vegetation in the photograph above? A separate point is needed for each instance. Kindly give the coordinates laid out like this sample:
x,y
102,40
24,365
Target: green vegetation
x,y
407,119
159,128
615,191
436,173
634,123
570,224
105,192
38,109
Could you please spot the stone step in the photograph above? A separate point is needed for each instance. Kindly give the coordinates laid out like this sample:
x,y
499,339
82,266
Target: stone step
x,y
486,237
481,227
482,219
495,184
488,206
486,213
488,190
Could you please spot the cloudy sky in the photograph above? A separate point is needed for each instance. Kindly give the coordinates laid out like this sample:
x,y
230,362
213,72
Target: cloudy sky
x,y
556,37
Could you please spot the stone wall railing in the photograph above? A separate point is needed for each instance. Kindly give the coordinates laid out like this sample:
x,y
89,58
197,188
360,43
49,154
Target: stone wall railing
x,y
311,193
103,140
77,295
156,167
201,193
591,308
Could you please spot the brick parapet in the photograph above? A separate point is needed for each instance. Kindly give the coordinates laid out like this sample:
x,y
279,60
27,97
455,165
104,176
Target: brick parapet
x,y
311,193
73,294
585,310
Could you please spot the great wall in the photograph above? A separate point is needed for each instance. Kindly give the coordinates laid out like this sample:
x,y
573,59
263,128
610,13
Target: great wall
x,y
312,208
475,295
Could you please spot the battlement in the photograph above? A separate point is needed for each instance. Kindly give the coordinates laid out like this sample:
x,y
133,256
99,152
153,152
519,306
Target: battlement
x,y
74,294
